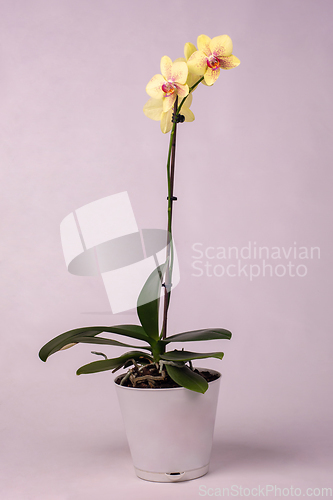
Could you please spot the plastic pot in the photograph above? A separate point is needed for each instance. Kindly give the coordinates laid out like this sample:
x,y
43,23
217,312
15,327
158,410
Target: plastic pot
x,y
169,431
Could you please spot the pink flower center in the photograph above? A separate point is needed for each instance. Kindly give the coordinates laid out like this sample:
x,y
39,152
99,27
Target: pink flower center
x,y
168,88
213,62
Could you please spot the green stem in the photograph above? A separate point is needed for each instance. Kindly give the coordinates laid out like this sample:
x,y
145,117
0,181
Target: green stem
x,y
191,90
170,177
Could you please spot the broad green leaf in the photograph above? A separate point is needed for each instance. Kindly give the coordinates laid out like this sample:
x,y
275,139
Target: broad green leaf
x,y
195,335
187,378
148,302
134,331
102,340
64,339
54,345
187,356
111,364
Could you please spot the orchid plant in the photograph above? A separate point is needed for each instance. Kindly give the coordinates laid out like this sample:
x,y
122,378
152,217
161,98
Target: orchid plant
x,y
170,100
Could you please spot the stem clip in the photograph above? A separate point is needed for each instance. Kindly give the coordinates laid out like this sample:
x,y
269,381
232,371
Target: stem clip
x,y
177,118
167,287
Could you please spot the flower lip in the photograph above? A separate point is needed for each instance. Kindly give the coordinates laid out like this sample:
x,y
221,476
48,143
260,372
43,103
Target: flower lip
x,y
213,62
168,88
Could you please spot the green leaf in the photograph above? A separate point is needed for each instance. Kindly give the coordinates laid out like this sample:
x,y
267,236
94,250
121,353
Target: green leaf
x,y
134,331
102,340
54,345
195,335
148,302
111,364
187,378
64,339
187,356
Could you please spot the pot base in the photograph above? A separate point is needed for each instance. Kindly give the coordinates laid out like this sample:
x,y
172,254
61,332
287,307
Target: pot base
x,y
172,477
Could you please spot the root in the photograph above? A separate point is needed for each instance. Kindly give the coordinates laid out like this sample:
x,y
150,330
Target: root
x,y
148,378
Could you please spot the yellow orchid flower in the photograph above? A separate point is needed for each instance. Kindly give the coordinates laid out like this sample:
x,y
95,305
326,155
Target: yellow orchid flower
x,y
212,55
170,84
154,110
189,49
192,78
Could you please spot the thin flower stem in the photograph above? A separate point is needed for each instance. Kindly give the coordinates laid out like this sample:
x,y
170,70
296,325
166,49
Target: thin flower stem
x,y
191,90
171,178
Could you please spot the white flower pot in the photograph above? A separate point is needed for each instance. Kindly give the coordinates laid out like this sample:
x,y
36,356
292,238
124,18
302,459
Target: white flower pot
x,y
169,431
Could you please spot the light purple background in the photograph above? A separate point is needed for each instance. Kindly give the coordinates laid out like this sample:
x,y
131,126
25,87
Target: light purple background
x,y
254,166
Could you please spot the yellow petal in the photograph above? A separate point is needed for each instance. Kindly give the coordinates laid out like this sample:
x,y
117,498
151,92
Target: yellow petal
x,y
229,62
179,72
166,65
188,50
182,90
192,79
188,101
169,101
203,43
197,63
154,87
221,46
189,116
166,123
153,109
179,59
211,75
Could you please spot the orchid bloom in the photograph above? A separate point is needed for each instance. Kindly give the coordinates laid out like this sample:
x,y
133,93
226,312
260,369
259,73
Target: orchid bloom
x,y
170,84
189,49
154,109
212,55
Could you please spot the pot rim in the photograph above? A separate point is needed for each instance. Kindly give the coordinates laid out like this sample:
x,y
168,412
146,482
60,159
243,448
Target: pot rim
x,y
165,389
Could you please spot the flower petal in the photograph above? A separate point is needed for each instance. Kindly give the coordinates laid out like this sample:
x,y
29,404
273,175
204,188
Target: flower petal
x,y
166,123
154,87
203,43
189,116
169,101
179,72
188,50
188,101
211,75
179,59
182,90
153,109
197,63
221,46
192,79
229,62
166,65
